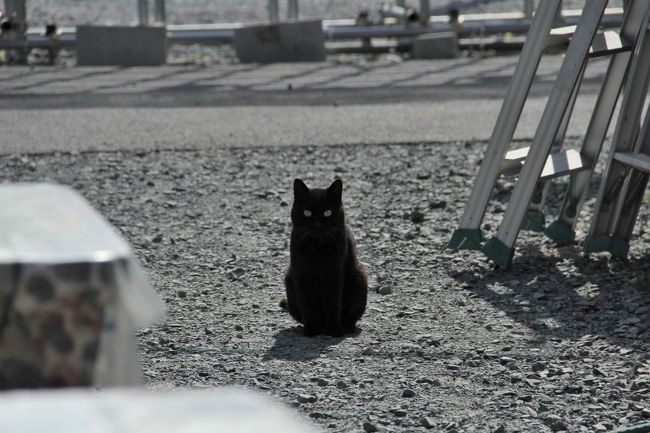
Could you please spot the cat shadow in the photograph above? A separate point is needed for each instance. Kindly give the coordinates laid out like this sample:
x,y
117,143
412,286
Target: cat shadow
x,y
291,345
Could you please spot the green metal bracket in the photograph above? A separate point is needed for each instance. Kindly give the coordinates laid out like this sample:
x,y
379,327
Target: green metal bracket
x,y
533,221
498,252
594,244
559,231
466,239
617,246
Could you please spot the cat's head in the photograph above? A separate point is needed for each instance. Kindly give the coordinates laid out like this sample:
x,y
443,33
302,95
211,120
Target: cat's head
x,y
317,209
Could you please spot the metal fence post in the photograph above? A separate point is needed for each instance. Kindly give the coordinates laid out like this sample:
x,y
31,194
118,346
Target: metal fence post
x,y
16,10
425,12
143,12
274,11
529,8
399,4
159,11
559,21
292,9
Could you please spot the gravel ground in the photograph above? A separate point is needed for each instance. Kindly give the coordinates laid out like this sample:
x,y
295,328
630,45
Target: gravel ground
x,y
559,343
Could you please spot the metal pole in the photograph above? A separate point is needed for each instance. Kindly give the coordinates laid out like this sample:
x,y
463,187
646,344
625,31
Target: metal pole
x,y
559,21
401,4
274,11
17,13
403,14
143,12
16,10
425,12
292,9
529,8
159,11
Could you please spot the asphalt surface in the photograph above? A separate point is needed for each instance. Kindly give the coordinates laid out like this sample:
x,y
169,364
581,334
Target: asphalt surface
x,y
47,109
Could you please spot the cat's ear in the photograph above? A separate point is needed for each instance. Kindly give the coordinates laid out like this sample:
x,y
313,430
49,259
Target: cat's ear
x,y
335,190
300,190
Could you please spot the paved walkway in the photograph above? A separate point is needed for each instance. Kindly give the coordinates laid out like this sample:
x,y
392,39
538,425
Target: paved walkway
x,y
61,109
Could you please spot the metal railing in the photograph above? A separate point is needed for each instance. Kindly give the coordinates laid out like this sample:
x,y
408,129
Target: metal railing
x,y
159,12
468,26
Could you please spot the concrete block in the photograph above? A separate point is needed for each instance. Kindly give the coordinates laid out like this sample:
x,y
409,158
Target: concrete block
x,y
295,41
121,46
440,45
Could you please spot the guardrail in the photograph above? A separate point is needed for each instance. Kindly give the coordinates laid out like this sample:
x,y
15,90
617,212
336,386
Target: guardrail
x,y
400,25
219,34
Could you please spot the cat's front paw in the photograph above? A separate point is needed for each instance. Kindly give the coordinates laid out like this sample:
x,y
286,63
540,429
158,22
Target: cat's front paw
x,y
311,330
335,331
350,329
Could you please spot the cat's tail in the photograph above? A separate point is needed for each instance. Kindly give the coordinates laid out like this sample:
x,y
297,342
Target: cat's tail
x,y
284,304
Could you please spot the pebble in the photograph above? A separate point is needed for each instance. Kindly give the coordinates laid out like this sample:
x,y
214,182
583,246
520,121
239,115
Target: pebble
x,y
555,423
538,366
433,382
384,290
573,389
417,216
369,427
408,393
306,398
428,422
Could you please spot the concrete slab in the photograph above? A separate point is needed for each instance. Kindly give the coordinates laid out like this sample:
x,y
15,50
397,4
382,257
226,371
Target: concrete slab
x,y
441,45
295,41
121,46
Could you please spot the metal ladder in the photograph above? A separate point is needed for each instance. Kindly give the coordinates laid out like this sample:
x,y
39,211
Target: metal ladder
x,y
626,176
544,159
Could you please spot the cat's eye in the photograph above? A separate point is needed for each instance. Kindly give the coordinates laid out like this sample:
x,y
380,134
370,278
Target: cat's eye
x,y
307,213
327,213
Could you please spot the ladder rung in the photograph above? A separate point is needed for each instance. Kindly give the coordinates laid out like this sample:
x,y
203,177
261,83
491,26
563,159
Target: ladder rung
x,y
608,42
604,43
513,161
560,36
557,164
565,162
638,161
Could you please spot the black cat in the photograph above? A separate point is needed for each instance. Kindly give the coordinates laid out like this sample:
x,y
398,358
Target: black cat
x,y
327,287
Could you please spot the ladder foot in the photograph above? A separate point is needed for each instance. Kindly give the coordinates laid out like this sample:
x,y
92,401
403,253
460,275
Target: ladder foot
x,y
498,252
466,239
618,247
533,221
595,244
559,231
